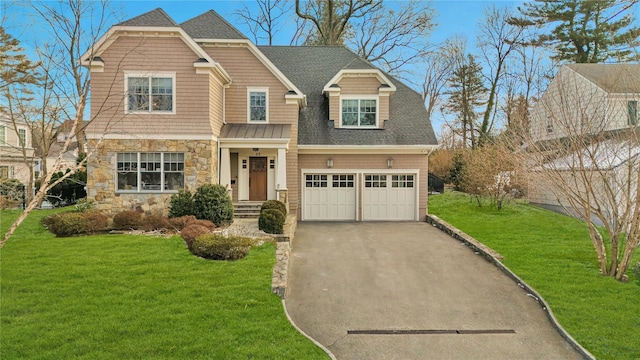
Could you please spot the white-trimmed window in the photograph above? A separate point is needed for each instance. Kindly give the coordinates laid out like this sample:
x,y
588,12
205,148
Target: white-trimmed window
x,y
375,181
632,112
150,172
3,134
4,172
150,93
22,138
258,105
316,181
359,112
402,181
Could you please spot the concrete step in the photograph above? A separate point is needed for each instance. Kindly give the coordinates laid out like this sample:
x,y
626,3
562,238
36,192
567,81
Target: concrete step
x,y
248,209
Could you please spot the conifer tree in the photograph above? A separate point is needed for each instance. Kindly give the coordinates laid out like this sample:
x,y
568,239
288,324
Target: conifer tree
x,y
593,31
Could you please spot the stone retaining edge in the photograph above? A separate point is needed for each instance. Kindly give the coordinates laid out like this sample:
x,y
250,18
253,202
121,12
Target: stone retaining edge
x,y
493,257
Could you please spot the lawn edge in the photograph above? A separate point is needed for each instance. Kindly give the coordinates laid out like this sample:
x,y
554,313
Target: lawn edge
x,y
327,351
493,257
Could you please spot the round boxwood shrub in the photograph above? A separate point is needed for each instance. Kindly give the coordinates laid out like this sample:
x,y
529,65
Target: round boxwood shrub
x,y
181,204
127,220
274,204
212,202
221,247
271,221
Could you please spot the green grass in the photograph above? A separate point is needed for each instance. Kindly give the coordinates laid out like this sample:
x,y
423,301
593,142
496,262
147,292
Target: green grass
x,y
553,254
135,297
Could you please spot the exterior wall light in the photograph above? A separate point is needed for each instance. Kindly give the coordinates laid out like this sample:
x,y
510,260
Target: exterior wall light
x,y
390,162
330,162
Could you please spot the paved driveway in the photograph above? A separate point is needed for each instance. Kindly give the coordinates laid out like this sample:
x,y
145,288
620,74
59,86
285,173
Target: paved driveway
x,y
349,280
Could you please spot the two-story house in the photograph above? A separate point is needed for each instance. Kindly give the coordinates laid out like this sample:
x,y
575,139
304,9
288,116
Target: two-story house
x,y
175,106
14,163
598,105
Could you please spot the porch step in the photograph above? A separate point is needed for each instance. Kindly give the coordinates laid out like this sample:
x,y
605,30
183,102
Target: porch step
x,y
247,209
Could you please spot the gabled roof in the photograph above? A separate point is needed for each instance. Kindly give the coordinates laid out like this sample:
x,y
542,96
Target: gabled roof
x,y
311,67
612,78
211,25
156,17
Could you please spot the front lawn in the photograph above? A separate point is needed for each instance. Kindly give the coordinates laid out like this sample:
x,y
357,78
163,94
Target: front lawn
x,y
553,254
126,297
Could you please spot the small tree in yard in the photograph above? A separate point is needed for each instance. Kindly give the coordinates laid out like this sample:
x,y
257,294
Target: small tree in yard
x,y
585,151
492,172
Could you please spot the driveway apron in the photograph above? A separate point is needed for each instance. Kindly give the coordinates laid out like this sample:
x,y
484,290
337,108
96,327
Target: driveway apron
x,y
409,291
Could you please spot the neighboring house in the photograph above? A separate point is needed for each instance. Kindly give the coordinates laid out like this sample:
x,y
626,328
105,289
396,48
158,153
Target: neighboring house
x,y
598,103
12,158
195,103
56,139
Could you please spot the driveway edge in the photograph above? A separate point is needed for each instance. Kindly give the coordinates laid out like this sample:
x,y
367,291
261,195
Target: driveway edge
x,y
493,257
327,351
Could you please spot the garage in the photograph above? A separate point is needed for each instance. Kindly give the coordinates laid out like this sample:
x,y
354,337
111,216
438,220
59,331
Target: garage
x,y
389,197
329,197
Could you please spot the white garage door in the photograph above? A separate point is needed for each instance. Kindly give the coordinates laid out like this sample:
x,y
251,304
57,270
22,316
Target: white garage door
x,y
389,197
329,197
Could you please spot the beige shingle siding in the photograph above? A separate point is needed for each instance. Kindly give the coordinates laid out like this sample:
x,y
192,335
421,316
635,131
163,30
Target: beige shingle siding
x,y
148,53
215,103
247,71
376,163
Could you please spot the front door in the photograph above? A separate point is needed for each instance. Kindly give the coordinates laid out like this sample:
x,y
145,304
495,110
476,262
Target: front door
x,y
257,178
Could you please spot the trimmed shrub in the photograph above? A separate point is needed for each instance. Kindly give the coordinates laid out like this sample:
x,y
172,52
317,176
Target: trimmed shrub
x,y
206,223
212,202
11,193
179,223
181,204
155,222
96,221
274,204
75,223
221,247
271,221
191,232
127,220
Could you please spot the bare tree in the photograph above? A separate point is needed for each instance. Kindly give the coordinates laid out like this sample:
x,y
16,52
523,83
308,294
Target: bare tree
x,y
439,67
266,23
331,19
393,38
74,27
584,153
497,39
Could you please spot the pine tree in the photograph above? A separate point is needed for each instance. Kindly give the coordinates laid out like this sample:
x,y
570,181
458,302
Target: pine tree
x,y
593,31
467,93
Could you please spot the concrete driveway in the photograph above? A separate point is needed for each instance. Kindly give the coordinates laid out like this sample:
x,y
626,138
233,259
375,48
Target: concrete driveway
x,y
352,284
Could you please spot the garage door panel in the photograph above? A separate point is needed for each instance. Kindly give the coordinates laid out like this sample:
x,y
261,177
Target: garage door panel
x,y
329,197
389,197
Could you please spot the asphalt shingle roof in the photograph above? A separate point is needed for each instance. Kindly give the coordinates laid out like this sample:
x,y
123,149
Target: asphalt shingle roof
x,y
211,25
311,67
156,17
613,78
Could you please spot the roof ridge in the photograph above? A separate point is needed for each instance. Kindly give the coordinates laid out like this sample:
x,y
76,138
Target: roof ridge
x,y
218,17
156,10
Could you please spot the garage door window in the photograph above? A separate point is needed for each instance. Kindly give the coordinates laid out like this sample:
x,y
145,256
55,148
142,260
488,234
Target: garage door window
x,y
343,181
375,181
402,181
316,181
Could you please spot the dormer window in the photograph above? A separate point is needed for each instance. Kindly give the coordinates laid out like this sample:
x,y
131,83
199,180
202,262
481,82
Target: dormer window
x,y
359,113
257,105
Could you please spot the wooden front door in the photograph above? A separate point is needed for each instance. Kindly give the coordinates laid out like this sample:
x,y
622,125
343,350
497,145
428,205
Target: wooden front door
x,y
257,178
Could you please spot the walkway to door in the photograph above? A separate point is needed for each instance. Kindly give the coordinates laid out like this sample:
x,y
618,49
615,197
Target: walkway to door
x,y
409,291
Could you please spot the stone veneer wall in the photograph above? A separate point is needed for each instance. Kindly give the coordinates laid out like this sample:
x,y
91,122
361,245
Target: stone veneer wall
x,y
200,168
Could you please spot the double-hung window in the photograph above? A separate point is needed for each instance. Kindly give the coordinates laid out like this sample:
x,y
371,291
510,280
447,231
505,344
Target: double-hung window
x,y
632,112
359,113
150,94
3,134
150,172
22,137
257,105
